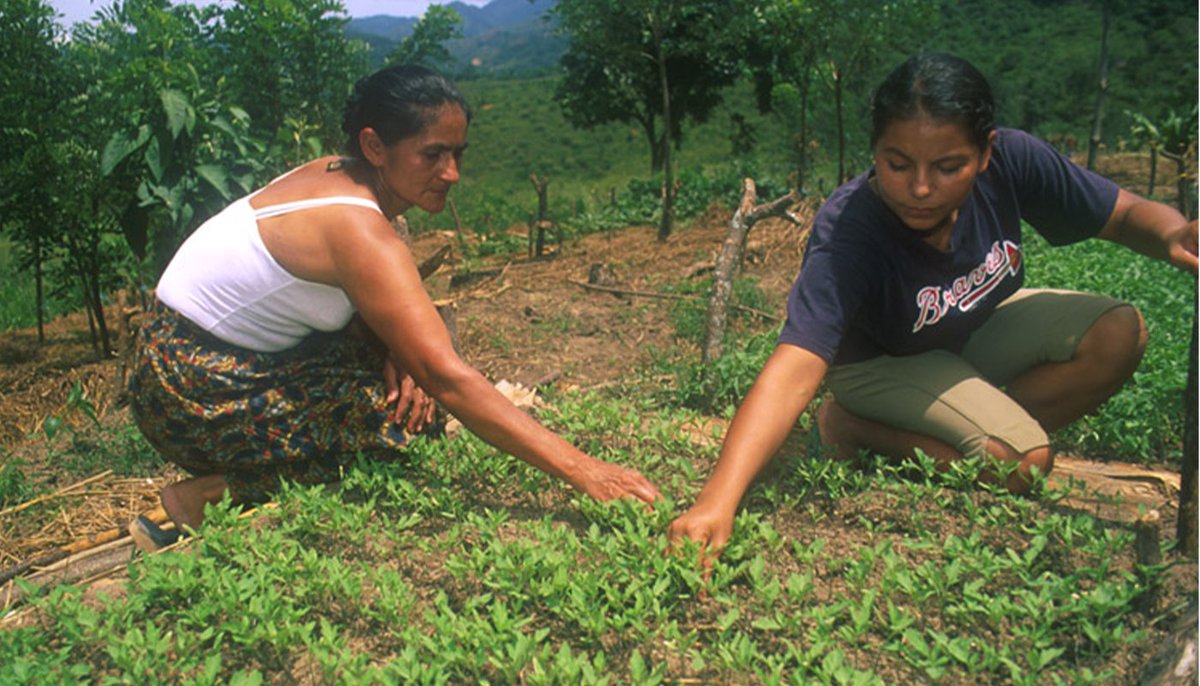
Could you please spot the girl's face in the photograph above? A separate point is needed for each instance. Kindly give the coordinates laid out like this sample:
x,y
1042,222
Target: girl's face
x,y
925,170
420,170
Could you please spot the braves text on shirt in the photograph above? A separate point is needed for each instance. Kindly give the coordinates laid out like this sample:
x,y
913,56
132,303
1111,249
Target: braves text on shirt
x,y
966,291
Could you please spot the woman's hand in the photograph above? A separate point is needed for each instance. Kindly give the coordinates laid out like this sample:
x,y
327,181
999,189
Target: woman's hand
x,y
408,396
605,481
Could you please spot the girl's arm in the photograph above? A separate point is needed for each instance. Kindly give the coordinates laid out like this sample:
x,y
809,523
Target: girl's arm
x,y
379,275
783,389
1152,228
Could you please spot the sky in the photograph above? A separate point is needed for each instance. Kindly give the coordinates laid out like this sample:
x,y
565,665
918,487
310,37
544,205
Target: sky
x,y
82,10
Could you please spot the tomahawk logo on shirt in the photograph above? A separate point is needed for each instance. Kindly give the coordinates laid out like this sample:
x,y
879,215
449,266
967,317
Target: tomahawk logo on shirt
x,y
968,290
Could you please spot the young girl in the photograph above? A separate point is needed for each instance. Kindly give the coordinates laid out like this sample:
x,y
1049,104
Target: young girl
x,y
910,303
251,372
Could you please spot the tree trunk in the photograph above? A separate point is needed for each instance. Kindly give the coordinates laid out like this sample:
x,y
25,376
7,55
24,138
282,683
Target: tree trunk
x,y
39,288
668,206
1102,87
98,308
655,145
841,127
730,260
1153,169
537,245
802,157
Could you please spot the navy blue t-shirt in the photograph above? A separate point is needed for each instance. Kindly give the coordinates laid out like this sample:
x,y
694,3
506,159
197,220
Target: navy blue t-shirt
x,y
870,286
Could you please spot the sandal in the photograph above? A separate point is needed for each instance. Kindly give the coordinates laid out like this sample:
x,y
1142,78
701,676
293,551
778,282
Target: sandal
x,y
149,536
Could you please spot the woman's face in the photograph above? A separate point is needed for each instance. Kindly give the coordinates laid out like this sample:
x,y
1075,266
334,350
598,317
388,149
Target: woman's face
x,y
420,169
925,170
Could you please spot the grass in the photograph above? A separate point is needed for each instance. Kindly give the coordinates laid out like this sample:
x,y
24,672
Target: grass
x,y
465,566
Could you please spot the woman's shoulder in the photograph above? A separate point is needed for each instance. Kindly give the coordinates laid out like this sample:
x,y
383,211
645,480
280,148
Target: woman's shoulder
x,y
324,177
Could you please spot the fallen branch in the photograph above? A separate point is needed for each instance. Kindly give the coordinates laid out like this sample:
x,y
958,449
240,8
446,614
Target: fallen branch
x,y
158,516
671,296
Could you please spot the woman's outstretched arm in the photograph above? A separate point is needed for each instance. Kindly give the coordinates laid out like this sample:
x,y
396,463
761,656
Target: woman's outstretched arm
x,y
783,389
379,275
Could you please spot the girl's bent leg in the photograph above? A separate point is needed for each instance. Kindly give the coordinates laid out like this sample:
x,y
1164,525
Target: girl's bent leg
x,y
1058,393
845,434
184,500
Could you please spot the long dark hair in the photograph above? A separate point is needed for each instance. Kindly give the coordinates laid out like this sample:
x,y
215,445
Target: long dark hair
x,y
940,86
398,102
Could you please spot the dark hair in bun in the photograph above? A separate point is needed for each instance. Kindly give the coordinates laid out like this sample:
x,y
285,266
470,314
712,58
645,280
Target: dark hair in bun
x,y
398,102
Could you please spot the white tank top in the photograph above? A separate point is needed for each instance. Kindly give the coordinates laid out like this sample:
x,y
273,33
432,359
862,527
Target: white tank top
x,y
225,281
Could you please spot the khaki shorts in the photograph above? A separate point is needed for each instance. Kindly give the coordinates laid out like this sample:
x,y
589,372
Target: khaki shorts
x,y
958,398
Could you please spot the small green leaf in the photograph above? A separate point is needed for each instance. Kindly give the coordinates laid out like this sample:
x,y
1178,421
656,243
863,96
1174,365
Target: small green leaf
x,y
216,176
51,426
177,109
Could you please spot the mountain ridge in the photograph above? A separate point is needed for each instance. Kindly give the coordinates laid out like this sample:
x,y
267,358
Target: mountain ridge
x,y
503,37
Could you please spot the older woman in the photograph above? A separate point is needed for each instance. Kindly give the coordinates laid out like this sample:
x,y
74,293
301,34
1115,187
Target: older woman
x,y
251,370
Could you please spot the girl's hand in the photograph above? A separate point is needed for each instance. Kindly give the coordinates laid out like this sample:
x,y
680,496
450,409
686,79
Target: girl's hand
x,y
408,396
1181,248
605,481
708,528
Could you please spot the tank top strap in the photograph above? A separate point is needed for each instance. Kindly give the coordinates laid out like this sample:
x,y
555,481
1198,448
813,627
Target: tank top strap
x,y
309,203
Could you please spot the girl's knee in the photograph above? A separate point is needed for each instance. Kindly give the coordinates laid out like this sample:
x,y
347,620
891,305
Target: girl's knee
x,y
1020,479
1118,338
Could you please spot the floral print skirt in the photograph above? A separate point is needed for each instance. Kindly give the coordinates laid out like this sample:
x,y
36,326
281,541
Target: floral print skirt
x,y
302,414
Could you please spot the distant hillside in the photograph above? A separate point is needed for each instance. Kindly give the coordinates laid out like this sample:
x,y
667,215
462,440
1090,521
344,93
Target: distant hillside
x,y
502,37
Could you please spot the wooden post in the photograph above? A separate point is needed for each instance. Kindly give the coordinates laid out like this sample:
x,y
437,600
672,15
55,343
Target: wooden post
x,y
538,245
730,259
1185,528
1148,554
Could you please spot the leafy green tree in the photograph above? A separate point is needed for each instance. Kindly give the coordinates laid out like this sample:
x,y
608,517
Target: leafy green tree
x,y
858,36
426,44
783,47
642,62
169,148
289,64
190,160
31,104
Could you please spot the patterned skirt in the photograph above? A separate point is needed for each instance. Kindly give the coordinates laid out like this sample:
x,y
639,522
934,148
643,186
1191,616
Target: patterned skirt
x,y
302,414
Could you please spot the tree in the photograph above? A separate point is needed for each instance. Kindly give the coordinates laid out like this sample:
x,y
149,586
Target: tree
x,y
290,66
31,102
426,44
1101,85
858,35
782,49
642,62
